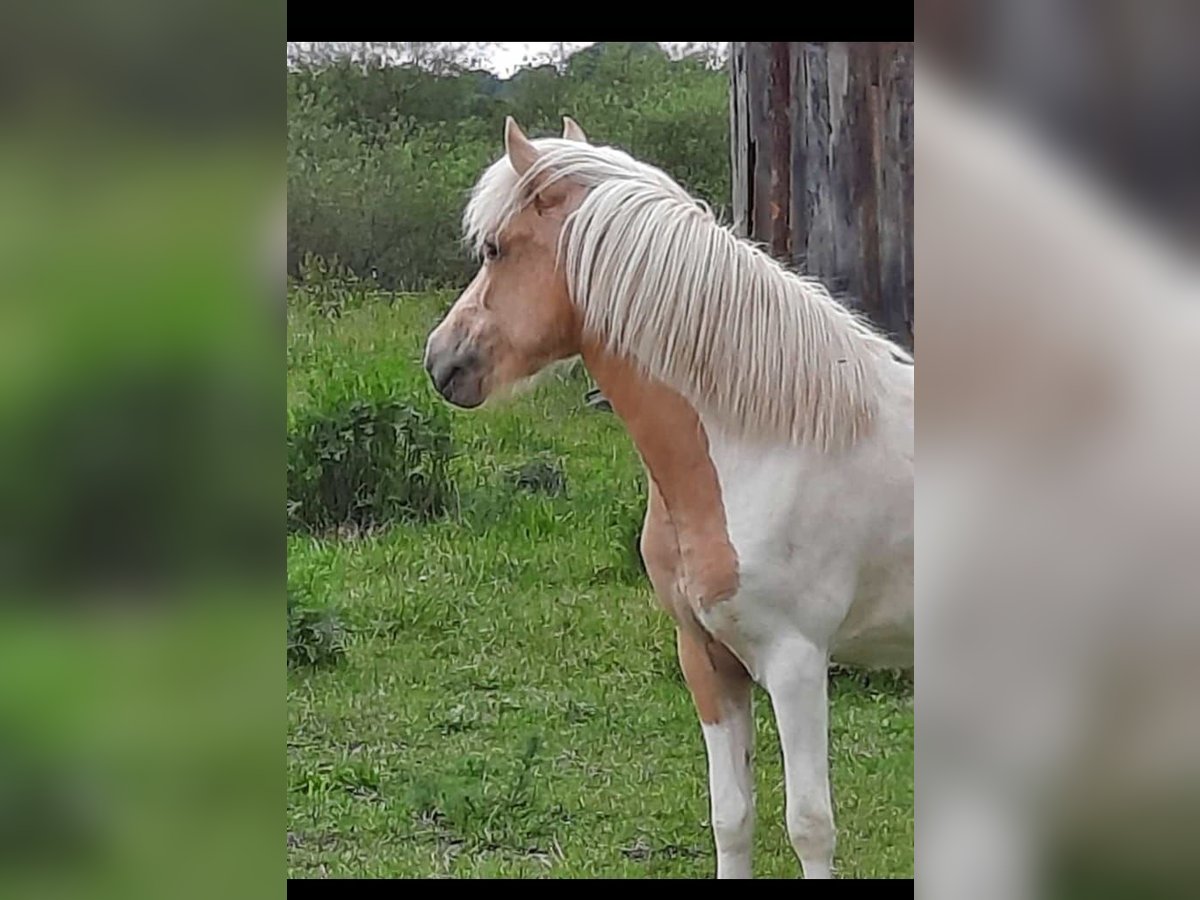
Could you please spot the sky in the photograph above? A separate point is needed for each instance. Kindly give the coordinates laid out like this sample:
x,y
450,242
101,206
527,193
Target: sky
x,y
505,58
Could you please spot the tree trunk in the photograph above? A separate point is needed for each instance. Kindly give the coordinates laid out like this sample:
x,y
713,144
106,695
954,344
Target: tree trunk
x,y
822,166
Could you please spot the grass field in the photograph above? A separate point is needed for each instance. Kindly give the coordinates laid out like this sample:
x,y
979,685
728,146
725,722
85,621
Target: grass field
x,y
510,703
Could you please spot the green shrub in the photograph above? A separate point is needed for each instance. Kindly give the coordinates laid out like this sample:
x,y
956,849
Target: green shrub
x,y
367,463
316,637
540,475
329,287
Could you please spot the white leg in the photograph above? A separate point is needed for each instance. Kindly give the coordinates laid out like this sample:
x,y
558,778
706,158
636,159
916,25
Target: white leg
x,y
722,693
796,680
731,788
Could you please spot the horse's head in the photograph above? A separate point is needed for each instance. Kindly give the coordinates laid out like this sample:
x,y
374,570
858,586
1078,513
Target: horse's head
x,y
516,316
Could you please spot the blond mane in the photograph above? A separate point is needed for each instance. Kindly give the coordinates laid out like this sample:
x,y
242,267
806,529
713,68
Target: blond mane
x,y
763,350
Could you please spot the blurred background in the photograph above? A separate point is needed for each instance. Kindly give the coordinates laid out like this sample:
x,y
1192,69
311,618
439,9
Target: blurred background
x,y
1058,501
141,365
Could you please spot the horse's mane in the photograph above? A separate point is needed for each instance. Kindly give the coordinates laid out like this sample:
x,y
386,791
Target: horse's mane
x,y
765,351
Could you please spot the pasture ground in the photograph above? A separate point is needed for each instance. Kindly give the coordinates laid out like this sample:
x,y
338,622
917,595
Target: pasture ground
x,y
510,704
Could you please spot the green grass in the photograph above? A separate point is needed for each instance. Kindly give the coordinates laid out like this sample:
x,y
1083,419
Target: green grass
x,y
509,703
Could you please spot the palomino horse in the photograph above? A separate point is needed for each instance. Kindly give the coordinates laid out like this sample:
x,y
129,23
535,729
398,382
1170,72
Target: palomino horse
x,y
776,429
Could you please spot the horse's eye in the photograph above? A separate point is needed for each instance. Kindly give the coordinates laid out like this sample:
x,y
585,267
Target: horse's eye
x,y
490,250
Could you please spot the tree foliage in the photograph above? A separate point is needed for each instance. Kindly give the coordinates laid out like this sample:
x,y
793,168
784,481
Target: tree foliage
x,y
381,155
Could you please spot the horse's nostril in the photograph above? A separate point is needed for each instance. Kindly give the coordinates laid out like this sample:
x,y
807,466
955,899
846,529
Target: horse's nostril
x,y
444,373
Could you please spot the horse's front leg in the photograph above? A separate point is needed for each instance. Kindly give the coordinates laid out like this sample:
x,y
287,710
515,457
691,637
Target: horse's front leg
x,y
721,690
796,677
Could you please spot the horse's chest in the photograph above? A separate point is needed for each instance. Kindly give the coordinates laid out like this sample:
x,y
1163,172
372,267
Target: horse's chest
x,y
692,569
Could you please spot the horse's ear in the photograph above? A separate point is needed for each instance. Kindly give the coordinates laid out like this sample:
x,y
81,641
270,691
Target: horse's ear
x,y
572,131
521,152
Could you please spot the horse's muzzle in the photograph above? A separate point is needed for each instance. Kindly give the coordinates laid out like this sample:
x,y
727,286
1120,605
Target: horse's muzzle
x,y
457,374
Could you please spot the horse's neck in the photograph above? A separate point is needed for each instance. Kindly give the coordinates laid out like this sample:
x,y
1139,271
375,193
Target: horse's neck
x,y
674,448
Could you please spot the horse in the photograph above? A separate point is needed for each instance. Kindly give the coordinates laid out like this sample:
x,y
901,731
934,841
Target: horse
x,y
775,427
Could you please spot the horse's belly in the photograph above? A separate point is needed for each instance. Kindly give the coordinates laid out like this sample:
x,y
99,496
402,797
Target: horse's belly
x,y
880,648
878,629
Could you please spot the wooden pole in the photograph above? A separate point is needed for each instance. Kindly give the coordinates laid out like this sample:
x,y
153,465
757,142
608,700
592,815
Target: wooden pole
x,y
821,137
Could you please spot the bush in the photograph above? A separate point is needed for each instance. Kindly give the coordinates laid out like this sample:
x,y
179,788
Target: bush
x,y
367,463
540,475
315,635
329,287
